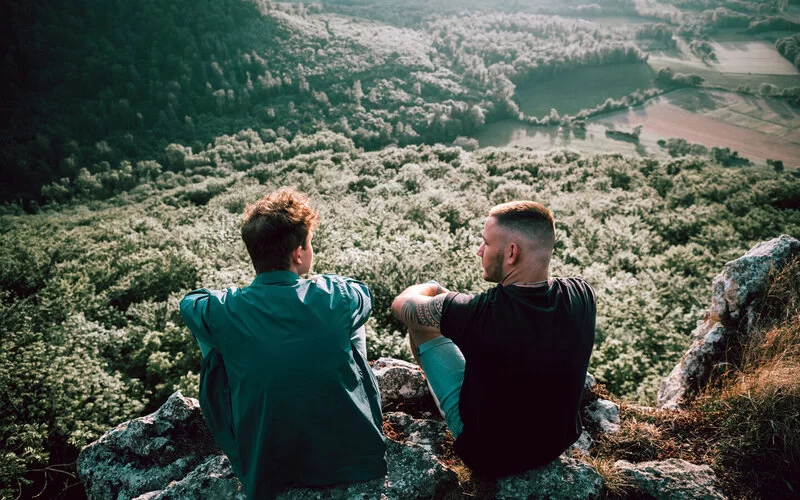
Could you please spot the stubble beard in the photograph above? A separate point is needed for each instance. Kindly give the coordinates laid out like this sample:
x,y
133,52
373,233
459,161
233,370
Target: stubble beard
x,y
494,271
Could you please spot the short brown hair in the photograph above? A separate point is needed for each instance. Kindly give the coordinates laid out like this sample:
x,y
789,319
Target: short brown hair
x,y
529,218
275,225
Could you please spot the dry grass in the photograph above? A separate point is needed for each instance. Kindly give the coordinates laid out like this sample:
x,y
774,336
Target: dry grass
x,y
757,406
616,485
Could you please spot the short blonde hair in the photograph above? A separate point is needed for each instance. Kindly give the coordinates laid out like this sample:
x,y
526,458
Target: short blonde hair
x,y
529,218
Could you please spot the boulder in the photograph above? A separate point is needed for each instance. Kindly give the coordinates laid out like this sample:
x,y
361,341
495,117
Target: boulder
x,y
170,454
213,478
583,443
413,474
735,300
604,414
564,477
147,453
672,479
399,380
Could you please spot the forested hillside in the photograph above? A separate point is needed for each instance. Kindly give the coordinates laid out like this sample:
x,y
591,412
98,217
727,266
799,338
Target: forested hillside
x,y
135,133
93,83
91,329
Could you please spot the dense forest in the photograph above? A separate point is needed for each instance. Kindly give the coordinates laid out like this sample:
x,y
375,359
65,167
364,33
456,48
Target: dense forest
x,y
134,134
91,332
96,83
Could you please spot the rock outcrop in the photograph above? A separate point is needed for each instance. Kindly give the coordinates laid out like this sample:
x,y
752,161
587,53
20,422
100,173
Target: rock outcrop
x,y
672,479
399,380
563,478
735,300
170,454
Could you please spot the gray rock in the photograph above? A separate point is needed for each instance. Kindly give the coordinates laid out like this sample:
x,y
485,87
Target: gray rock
x,y
735,300
583,443
428,434
399,380
564,477
413,474
672,479
170,454
146,454
213,478
604,413
589,382
735,290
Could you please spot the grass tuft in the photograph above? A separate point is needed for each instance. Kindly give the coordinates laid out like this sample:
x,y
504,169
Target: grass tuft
x,y
757,406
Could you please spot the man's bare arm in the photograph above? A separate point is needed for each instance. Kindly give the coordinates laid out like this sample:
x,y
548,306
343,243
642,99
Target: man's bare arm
x,y
420,307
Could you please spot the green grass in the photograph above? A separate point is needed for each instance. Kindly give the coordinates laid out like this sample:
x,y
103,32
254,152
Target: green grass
x,y
583,88
729,81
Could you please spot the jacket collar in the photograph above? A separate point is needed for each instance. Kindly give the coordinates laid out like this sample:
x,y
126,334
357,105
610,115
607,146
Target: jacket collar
x,y
275,278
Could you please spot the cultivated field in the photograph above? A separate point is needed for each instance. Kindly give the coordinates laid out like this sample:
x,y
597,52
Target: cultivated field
x,y
583,88
591,141
751,57
741,60
757,128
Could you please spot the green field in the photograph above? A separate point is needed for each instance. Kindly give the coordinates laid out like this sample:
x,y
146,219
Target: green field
x,y
583,88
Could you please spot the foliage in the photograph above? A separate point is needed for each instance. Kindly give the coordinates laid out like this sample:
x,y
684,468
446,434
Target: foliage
x,y
789,47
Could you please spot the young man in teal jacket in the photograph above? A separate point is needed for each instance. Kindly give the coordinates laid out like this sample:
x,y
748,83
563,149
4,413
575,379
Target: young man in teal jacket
x,y
285,385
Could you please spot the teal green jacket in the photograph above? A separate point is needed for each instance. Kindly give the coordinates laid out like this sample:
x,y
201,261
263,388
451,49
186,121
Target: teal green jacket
x,y
285,385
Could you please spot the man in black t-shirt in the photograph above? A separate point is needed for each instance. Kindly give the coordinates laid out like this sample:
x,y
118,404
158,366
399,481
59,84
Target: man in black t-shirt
x,y
507,366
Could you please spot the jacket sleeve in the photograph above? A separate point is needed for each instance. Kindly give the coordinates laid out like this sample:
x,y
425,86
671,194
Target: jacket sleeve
x,y
360,302
194,310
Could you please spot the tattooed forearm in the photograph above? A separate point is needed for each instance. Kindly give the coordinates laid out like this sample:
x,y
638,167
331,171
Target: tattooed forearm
x,y
422,312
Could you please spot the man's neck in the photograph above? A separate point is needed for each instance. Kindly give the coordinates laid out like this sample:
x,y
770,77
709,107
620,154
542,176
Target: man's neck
x,y
534,278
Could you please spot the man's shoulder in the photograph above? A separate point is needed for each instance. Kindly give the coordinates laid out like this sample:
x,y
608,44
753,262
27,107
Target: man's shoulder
x,y
206,294
335,283
576,283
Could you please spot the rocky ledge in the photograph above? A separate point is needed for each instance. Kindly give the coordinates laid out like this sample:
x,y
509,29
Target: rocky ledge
x,y
170,453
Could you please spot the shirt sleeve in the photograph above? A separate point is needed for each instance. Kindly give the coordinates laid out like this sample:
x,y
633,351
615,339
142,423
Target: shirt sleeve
x,y
360,302
194,307
355,293
457,317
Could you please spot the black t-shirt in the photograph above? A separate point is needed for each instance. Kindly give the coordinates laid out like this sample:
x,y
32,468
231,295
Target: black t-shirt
x,y
527,351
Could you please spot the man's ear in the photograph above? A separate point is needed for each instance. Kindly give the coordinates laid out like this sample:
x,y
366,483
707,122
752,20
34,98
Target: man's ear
x,y
297,255
512,253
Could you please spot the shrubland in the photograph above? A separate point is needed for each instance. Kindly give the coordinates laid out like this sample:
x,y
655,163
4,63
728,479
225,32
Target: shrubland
x,y
91,333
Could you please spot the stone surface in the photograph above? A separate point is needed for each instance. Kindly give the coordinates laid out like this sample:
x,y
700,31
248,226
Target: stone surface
x,y
589,382
583,443
672,479
147,453
735,300
399,380
213,478
565,478
170,454
604,413
426,433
